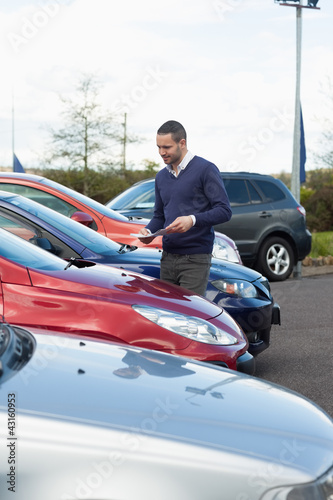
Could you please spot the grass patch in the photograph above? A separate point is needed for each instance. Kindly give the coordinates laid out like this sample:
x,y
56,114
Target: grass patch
x,y
322,244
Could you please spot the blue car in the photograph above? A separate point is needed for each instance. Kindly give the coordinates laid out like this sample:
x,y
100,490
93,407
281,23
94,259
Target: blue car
x,y
242,292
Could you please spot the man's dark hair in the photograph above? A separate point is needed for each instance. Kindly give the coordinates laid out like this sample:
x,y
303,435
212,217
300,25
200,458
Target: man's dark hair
x,y
174,128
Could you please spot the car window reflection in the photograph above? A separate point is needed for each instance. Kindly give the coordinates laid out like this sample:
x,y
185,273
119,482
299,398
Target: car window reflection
x,y
152,363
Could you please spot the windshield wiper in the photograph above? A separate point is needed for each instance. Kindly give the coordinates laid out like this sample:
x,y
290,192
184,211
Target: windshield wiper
x,y
134,217
78,262
72,261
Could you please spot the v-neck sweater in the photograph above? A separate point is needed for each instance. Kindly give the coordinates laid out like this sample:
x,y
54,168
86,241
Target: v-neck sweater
x,y
197,190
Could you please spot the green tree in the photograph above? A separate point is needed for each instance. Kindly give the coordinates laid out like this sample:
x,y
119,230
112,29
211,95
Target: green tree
x,y
319,210
150,167
317,179
90,140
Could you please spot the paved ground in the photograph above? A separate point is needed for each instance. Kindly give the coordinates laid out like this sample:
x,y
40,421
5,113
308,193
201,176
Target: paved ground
x,y
300,356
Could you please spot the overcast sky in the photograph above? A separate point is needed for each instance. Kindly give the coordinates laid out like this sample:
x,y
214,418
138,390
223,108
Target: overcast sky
x,y
226,69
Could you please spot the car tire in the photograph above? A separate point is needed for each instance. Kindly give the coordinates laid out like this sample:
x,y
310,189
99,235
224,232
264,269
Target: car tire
x,y
276,259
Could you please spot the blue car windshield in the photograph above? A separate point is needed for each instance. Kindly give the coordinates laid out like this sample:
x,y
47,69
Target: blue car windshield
x,y
102,209
138,196
20,251
84,235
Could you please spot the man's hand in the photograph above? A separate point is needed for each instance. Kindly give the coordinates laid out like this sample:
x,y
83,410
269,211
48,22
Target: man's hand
x,y
144,232
180,225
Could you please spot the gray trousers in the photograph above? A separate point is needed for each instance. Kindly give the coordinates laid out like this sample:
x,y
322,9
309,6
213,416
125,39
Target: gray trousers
x,y
188,271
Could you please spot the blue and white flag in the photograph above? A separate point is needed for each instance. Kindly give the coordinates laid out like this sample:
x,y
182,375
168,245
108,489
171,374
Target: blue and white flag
x,y
302,176
17,167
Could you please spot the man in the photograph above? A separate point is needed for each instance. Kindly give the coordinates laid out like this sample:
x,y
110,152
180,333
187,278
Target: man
x,y
190,199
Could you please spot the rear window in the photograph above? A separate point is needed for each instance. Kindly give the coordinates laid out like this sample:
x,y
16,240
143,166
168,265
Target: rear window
x,y
271,191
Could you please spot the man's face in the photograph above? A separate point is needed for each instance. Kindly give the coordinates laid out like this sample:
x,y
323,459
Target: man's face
x,y
171,152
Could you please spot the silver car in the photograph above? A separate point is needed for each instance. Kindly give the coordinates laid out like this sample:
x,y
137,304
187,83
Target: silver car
x,y
82,419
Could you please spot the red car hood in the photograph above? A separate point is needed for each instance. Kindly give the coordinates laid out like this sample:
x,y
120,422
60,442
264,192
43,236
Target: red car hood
x,y
108,283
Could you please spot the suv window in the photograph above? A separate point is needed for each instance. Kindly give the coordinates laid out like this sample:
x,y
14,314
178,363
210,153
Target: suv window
x,y
271,191
237,191
254,195
241,192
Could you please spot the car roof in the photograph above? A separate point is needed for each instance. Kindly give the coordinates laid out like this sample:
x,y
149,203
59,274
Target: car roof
x,y
242,174
39,178
247,175
151,179
19,175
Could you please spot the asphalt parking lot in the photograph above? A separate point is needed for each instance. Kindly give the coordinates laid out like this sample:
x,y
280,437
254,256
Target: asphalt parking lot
x,y
300,356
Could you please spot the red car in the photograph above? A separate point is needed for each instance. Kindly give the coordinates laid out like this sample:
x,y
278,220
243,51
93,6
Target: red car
x,y
102,219
38,289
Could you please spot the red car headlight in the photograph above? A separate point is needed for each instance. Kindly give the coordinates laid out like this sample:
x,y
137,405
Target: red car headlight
x,y
188,326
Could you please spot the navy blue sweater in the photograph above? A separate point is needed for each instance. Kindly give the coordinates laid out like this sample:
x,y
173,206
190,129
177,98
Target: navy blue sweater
x,y
198,190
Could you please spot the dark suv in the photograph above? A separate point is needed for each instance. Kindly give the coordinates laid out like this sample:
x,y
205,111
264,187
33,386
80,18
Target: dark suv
x,y
267,224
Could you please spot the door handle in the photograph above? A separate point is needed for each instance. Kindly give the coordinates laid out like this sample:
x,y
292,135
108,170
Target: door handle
x,y
264,215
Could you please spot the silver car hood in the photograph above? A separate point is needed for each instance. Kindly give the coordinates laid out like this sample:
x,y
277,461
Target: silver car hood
x,y
84,395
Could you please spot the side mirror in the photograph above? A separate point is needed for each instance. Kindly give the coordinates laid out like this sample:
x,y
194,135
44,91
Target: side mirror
x,y
83,218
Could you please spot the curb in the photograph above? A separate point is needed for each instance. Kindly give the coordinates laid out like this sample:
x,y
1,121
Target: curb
x,y
319,261
315,267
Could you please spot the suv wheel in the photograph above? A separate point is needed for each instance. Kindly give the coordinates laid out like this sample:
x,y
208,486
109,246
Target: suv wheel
x,y
276,259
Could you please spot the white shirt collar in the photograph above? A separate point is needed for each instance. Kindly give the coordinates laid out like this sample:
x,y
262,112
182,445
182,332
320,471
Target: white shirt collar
x,y
182,165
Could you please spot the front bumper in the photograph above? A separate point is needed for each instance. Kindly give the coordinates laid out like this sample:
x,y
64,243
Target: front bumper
x,y
245,363
276,315
259,340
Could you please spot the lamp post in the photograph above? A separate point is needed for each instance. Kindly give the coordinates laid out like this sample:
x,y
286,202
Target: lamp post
x,y
295,173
